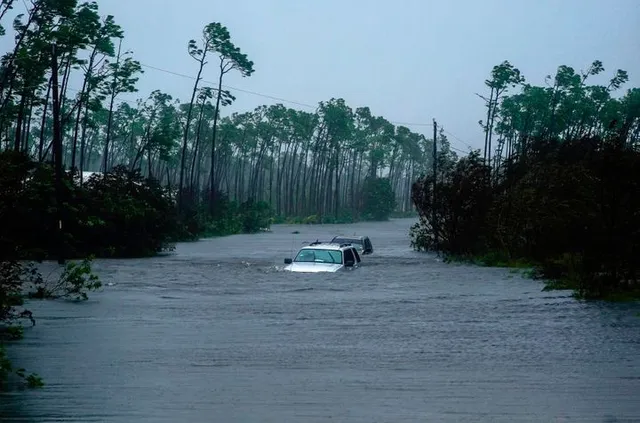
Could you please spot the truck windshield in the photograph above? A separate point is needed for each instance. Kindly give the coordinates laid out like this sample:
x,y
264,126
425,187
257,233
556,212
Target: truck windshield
x,y
317,255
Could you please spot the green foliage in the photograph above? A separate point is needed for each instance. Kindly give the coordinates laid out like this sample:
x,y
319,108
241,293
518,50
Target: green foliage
x,y
463,200
14,332
344,217
311,220
6,369
74,282
119,214
570,210
378,198
301,163
123,76
219,41
135,215
225,217
255,216
561,191
16,278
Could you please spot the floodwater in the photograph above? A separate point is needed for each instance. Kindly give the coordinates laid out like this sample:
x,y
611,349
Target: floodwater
x,y
215,333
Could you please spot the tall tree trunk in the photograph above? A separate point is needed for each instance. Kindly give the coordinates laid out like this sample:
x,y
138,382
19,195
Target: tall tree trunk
x,y
195,149
18,136
183,160
77,126
83,139
216,114
105,158
44,121
27,125
57,153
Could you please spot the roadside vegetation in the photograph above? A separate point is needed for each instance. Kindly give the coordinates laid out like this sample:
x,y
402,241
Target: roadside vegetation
x,y
557,187
21,281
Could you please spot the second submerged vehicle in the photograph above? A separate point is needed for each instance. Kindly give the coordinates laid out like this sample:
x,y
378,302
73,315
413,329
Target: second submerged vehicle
x,y
361,242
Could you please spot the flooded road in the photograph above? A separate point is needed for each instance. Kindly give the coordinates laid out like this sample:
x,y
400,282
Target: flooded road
x,y
215,333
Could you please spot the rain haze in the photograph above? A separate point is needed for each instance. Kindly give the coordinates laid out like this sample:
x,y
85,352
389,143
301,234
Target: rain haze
x,y
313,251
410,61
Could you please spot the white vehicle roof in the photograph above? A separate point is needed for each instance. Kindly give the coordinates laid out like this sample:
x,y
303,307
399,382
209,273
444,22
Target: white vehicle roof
x,y
326,246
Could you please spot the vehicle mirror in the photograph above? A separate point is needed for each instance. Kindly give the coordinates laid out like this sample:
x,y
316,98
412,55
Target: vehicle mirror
x,y
288,261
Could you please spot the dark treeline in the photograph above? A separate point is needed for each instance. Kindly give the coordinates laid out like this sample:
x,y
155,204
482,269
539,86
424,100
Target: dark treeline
x,y
334,164
557,185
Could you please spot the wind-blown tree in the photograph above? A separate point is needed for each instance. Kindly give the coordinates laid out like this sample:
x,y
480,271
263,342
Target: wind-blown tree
x,y
503,76
564,192
160,130
337,124
23,70
199,54
5,7
101,47
230,58
566,109
215,39
122,77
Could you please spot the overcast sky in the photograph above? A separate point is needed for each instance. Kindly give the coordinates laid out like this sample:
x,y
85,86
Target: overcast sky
x,y
409,61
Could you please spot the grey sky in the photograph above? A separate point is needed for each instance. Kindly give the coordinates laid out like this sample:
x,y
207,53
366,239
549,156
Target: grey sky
x,y
409,60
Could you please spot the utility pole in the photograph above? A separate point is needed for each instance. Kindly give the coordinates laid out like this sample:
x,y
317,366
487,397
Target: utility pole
x,y
434,223
57,150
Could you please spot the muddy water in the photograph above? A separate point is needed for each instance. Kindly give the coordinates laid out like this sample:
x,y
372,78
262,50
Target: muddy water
x,y
216,333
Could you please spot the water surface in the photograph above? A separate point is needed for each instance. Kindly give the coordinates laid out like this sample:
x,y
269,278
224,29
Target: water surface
x,y
216,333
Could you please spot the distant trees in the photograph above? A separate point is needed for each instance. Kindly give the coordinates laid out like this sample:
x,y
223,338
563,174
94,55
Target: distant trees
x,y
300,163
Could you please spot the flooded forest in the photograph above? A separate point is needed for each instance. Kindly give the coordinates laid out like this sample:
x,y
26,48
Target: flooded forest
x,y
87,175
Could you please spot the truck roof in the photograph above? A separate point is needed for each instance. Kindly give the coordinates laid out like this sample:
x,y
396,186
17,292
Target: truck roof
x,y
318,245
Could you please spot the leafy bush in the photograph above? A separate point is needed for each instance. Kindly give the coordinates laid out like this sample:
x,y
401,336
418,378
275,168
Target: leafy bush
x,y
74,282
379,200
255,216
132,215
570,209
117,214
463,199
18,278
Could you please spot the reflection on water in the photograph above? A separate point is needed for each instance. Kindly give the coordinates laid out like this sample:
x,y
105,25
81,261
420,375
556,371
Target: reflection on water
x,y
215,332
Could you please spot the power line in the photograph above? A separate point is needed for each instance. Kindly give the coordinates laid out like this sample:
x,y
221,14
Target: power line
x,y
137,102
458,139
228,87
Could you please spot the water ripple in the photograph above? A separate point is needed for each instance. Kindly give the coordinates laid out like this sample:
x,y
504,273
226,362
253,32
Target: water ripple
x,y
217,332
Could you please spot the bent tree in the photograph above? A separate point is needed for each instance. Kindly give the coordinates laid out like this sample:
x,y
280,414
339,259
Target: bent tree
x,y
503,76
199,54
230,58
122,79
